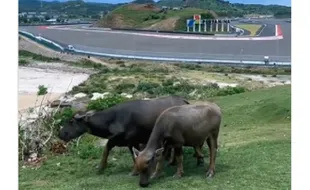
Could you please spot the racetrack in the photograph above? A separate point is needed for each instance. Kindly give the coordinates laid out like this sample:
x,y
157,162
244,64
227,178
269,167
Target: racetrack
x,y
123,43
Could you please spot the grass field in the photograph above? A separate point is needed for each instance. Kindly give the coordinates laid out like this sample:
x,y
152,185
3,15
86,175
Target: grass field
x,y
255,153
252,28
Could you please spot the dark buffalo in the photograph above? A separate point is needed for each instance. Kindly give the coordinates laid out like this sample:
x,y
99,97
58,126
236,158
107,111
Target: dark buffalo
x,y
178,126
126,124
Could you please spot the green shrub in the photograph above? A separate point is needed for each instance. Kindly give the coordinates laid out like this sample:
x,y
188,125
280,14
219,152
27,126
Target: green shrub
x,y
42,90
63,116
148,87
23,62
38,57
230,91
107,102
155,16
89,64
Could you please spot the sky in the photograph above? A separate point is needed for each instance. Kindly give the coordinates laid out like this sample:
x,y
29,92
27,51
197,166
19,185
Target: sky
x,y
264,2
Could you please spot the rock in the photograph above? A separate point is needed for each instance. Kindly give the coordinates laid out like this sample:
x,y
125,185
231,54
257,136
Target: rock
x,y
176,83
66,98
127,95
79,106
80,95
103,142
97,95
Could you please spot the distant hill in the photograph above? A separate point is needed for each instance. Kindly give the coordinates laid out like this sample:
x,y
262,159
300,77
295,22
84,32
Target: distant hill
x,y
77,7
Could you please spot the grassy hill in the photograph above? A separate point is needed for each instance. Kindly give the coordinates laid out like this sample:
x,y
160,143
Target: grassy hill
x,y
255,153
148,16
224,8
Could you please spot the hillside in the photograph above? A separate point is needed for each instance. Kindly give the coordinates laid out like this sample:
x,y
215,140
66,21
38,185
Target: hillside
x,y
224,8
76,8
150,16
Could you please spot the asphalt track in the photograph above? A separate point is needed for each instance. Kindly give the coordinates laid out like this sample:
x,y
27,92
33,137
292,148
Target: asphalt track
x,y
122,43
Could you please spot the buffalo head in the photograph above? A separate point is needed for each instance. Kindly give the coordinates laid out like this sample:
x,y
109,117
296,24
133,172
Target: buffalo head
x,y
75,127
145,162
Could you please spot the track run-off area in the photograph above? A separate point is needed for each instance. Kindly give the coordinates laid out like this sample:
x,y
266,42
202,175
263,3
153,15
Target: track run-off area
x,y
274,41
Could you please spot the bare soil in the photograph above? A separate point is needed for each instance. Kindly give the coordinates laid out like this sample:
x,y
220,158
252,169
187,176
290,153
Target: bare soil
x,y
167,24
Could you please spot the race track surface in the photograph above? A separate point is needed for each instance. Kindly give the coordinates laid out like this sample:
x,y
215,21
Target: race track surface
x,y
119,43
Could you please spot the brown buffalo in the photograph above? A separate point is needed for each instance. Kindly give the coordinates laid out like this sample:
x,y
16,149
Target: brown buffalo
x,y
178,126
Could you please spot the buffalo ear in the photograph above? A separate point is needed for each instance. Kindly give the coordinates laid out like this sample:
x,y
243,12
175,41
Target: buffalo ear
x,y
135,152
84,116
159,152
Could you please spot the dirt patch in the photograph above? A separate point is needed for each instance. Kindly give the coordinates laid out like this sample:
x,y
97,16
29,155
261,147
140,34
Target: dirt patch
x,y
114,21
167,24
56,81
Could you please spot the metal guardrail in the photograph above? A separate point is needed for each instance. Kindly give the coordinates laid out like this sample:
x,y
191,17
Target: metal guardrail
x,y
58,47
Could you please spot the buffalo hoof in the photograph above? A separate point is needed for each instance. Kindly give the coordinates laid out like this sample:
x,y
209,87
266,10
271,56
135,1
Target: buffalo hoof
x,y
210,174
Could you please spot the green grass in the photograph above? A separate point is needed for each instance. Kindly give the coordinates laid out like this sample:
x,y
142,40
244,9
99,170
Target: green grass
x,y
252,28
254,153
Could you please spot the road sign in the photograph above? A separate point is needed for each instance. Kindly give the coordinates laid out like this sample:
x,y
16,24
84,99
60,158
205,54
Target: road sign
x,y
190,22
197,17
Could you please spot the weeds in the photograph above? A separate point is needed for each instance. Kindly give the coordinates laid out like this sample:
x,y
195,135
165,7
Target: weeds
x,y
107,102
23,62
38,57
42,90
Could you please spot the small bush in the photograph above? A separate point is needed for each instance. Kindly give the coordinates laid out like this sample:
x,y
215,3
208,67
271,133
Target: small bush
x,y
23,62
42,90
155,17
38,57
89,64
87,148
148,87
119,62
63,115
107,102
230,91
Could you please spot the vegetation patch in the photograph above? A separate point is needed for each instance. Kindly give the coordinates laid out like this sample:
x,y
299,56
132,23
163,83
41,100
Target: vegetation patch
x,y
140,16
255,125
252,28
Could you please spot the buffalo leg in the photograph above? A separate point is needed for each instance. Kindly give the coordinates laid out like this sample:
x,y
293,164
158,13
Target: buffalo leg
x,y
159,164
104,160
199,155
179,159
212,149
172,160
